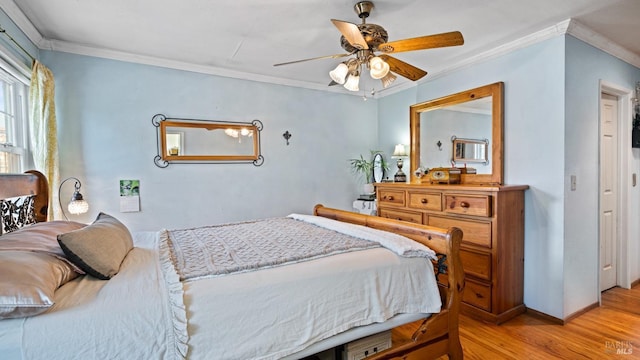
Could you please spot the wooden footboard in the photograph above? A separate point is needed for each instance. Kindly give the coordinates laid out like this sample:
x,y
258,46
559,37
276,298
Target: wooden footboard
x,y
437,335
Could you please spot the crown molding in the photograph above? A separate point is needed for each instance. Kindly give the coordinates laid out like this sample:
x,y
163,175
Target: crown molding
x,y
523,42
581,32
23,23
77,49
569,26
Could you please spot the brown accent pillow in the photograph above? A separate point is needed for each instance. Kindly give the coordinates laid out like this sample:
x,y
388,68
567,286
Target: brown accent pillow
x,y
99,248
28,282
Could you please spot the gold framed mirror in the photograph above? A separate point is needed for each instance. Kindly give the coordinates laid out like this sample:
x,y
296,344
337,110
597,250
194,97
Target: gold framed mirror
x,y
207,141
471,114
469,151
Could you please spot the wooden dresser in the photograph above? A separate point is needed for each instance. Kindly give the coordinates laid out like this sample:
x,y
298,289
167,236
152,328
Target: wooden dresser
x,y
492,252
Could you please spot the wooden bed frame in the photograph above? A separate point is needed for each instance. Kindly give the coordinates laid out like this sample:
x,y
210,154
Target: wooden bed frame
x,y
32,182
437,335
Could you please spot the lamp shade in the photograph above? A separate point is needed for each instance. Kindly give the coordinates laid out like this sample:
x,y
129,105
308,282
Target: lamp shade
x,y
378,68
399,151
353,82
388,79
78,207
339,74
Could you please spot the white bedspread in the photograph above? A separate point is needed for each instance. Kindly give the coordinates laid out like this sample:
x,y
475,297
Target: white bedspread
x,y
127,317
275,312
265,314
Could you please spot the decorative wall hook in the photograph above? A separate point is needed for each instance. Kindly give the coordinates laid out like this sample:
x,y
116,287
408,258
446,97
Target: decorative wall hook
x,y
439,145
287,135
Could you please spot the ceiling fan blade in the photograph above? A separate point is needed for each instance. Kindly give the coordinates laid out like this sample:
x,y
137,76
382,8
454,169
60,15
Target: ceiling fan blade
x,y
453,38
403,69
352,33
315,58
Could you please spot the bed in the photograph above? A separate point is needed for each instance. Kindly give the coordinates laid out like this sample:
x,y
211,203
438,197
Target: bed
x,y
157,303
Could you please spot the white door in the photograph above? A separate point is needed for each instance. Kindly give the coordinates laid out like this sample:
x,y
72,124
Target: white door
x,y
608,190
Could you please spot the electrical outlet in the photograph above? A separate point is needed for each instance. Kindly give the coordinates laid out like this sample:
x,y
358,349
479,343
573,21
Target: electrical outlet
x,y
573,183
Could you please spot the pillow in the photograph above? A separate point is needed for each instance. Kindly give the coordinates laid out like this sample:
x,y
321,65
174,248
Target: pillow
x,y
17,212
29,281
99,248
42,238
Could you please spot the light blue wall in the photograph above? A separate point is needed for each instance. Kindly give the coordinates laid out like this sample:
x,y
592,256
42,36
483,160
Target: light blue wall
x,y
104,111
551,132
533,148
393,126
586,68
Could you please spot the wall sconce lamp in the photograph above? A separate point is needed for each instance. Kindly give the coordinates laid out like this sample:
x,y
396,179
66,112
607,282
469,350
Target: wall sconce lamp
x,y
77,205
400,152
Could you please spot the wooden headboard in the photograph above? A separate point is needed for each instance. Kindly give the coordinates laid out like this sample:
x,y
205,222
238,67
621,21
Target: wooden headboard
x,y
32,182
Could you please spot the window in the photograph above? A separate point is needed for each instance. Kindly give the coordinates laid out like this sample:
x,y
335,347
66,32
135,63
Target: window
x,y
13,124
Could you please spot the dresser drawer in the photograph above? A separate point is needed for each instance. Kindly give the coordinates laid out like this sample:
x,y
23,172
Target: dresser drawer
x,y
478,205
473,232
476,263
414,217
477,294
425,200
391,197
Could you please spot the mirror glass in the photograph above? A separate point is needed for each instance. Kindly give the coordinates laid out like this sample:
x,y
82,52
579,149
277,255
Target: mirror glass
x,y
205,141
473,117
378,168
466,120
208,141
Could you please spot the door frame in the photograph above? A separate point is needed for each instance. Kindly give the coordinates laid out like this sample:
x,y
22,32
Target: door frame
x,y
624,145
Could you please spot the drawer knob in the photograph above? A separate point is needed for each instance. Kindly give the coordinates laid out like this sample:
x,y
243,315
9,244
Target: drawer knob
x,y
423,200
479,296
464,204
390,198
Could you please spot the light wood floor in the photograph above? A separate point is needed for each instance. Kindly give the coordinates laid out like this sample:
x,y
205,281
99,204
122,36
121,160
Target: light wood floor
x,y
596,334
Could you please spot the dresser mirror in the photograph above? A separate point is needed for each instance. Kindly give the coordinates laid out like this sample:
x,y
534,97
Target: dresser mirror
x,y
207,141
473,117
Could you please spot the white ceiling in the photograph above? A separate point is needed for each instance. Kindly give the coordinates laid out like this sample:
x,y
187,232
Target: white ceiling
x,y
244,38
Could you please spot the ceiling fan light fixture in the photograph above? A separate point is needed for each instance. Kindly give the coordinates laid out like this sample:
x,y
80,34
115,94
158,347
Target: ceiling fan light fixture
x,y
388,79
353,82
339,74
378,68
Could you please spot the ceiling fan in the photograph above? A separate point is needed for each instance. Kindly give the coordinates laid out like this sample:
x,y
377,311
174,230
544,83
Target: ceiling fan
x,y
364,40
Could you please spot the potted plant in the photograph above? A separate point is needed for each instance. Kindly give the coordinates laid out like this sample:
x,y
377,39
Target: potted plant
x,y
364,168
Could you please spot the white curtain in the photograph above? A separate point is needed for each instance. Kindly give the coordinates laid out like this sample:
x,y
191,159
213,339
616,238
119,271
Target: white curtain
x,y
43,131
